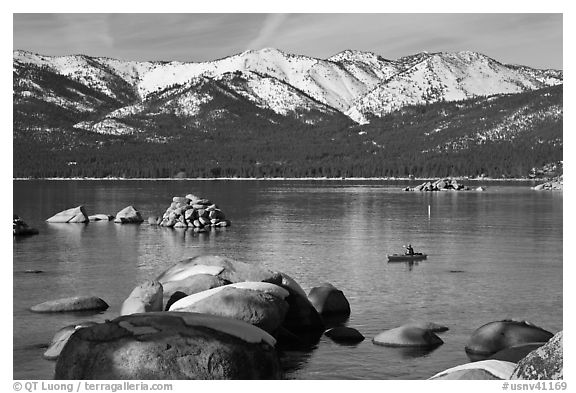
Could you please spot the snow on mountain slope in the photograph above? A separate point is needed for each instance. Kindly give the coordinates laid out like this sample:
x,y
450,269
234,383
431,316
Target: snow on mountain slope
x,y
92,72
358,84
446,76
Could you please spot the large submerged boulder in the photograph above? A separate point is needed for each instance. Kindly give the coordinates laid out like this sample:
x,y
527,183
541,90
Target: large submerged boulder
x,y
169,345
498,335
68,304
73,215
545,362
408,336
128,215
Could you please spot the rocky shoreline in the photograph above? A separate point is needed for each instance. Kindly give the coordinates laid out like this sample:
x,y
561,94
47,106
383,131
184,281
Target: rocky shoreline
x,y
212,317
556,184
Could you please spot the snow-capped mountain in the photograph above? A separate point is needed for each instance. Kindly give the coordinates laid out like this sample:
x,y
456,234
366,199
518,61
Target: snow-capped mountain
x,y
360,85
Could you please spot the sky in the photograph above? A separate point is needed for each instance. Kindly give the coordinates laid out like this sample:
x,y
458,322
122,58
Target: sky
x,y
532,39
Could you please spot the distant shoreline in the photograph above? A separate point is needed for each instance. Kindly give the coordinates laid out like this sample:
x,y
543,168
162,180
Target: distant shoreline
x,y
280,179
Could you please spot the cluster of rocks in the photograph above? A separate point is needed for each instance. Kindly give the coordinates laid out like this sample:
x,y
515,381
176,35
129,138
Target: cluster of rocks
x,y
20,228
78,215
555,184
510,350
445,184
212,317
191,211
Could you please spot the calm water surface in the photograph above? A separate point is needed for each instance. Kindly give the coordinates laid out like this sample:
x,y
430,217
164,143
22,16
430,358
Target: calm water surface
x,y
492,255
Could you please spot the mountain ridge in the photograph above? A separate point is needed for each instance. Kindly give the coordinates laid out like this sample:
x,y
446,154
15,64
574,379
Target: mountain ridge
x,y
352,82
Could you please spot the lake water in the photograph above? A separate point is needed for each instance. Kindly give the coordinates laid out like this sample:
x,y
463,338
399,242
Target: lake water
x,y
492,255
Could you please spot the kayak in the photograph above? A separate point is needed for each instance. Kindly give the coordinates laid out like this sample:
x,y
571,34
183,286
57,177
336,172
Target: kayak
x,y
404,257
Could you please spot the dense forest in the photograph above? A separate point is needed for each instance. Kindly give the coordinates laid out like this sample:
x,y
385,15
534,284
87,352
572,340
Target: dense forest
x,y
440,139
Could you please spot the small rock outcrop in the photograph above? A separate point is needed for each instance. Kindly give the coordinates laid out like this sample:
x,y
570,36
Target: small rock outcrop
x,y
446,184
344,334
556,184
545,362
192,212
73,215
20,228
68,304
128,215
169,345
100,217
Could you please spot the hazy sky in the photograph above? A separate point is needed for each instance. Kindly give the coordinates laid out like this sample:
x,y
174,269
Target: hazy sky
x,y
529,39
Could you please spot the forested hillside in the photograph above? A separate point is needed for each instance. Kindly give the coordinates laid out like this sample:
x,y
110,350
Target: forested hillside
x,y
498,136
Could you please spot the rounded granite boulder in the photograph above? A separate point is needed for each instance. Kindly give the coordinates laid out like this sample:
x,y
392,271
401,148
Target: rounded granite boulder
x,y
70,304
146,297
260,304
408,336
344,334
481,370
545,362
128,215
61,338
169,345
496,336
226,268
73,215
192,284
329,300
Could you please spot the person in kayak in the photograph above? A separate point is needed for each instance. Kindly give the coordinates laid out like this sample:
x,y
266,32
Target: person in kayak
x,y
409,250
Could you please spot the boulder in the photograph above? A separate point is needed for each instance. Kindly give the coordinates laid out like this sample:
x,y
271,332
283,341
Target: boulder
x,y
516,353
192,284
408,336
167,346
545,362
128,215
78,303
431,326
495,336
153,220
183,200
343,334
146,297
100,217
61,338
260,304
302,319
329,300
231,270
73,215
484,369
